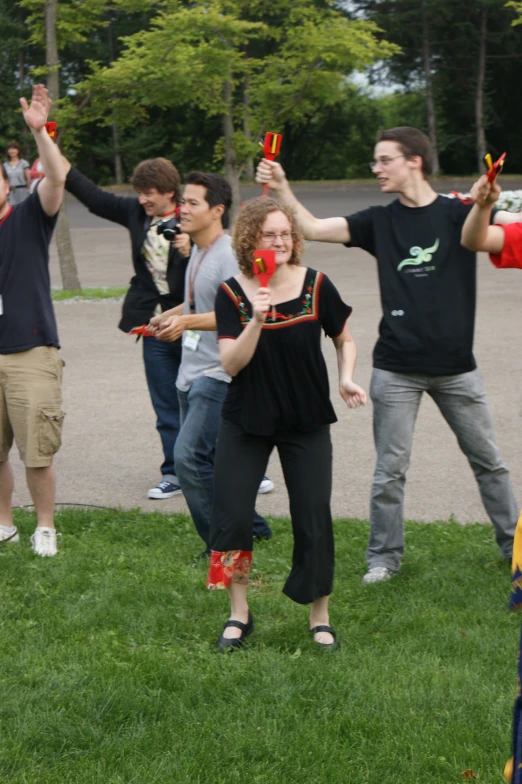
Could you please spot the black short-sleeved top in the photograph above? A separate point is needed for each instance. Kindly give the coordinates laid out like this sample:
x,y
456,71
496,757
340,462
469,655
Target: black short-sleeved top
x,y
428,285
285,385
28,317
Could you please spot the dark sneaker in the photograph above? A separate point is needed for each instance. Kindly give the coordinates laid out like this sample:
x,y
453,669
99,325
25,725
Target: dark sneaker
x,y
164,490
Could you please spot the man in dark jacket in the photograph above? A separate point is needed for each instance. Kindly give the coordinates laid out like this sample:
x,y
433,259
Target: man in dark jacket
x,y
158,284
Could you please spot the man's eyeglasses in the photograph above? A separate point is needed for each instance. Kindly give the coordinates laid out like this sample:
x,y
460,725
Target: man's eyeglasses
x,y
384,161
270,237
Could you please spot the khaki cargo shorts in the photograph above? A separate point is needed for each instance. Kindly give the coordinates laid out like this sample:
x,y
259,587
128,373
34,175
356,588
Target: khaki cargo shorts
x,y
31,405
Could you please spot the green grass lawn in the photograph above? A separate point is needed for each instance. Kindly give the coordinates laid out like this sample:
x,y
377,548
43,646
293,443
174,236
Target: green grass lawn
x,y
103,292
109,671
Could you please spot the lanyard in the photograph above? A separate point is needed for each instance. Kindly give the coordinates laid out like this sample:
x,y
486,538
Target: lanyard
x,y
193,275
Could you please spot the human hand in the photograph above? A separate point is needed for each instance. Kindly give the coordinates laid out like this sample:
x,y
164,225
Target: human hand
x,y
352,394
270,173
261,305
36,113
485,193
171,329
182,244
155,324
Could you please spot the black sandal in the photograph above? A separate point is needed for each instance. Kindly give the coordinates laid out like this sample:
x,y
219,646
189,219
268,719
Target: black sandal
x,y
231,643
328,629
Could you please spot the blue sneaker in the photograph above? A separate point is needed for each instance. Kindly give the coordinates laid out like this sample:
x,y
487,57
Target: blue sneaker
x,y
165,489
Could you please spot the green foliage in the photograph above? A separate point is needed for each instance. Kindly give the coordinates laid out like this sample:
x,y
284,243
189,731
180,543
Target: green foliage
x,y
110,674
75,20
453,31
403,108
158,69
517,7
279,74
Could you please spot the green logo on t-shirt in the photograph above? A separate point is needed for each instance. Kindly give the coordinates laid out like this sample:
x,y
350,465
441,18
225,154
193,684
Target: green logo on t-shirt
x,y
420,256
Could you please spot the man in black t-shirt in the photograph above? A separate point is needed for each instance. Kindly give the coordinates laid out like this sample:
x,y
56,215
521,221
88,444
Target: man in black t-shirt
x,y
30,366
428,291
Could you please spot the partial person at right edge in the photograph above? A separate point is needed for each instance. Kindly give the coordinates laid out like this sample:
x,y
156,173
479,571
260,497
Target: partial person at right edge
x,y
428,294
157,285
202,382
30,364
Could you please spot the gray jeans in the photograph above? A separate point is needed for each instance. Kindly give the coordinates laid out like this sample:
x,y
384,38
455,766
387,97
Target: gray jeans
x,y
462,401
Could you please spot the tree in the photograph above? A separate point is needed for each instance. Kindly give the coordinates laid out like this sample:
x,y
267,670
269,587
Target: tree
x,y
474,59
250,63
69,272
51,23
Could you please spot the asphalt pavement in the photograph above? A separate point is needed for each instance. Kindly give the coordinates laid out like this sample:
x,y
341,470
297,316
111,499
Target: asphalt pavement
x,y
111,452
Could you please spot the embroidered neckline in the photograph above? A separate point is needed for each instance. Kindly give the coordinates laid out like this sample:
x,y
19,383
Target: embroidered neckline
x,y
308,301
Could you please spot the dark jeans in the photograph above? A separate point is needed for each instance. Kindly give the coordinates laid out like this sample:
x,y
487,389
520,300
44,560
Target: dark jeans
x,y
306,459
162,362
200,410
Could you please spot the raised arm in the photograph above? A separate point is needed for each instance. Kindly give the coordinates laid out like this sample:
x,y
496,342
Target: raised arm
x,y
102,203
477,233
272,174
50,190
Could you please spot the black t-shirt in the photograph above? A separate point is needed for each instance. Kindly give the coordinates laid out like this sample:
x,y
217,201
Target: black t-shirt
x,y
28,317
428,285
285,385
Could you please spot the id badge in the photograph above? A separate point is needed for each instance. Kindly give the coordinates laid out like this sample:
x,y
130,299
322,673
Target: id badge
x,y
1,305
191,339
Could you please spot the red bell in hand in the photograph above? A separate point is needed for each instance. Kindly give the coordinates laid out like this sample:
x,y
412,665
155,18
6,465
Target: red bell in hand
x,y
143,330
272,145
51,129
271,148
264,266
494,169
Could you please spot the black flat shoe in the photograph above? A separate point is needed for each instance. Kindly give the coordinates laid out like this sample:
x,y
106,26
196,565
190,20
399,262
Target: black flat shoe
x,y
226,643
328,629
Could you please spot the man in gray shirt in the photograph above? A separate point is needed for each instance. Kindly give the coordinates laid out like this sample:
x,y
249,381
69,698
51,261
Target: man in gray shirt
x,y
202,383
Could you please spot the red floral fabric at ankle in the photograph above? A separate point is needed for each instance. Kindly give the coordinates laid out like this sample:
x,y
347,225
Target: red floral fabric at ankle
x,y
230,567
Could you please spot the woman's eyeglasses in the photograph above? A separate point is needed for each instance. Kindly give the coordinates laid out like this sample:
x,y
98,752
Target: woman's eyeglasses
x,y
270,237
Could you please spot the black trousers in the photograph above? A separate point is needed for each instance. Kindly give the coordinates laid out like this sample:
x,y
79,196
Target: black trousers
x,y
306,459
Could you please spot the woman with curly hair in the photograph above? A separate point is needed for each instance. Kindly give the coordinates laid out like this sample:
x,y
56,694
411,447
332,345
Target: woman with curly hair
x,y
270,343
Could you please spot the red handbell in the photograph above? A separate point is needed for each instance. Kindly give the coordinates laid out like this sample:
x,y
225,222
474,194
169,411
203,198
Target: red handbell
x,y
264,266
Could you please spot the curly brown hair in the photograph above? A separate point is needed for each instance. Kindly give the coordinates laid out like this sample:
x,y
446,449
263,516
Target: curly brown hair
x,y
247,232
157,173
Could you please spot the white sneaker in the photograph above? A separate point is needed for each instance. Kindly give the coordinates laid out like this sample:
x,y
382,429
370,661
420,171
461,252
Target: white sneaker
x,y
9,534
377,574
44,541
266,486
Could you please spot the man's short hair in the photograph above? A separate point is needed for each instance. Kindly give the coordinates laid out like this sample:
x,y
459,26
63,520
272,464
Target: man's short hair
x,y
411,142
218,190
157,173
